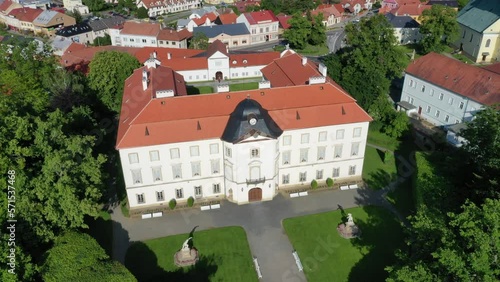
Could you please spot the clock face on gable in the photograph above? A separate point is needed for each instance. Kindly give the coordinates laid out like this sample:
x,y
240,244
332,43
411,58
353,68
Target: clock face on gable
x,y
252,121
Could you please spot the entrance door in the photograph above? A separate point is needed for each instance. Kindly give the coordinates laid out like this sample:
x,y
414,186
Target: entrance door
x,y
419,110
218,76
254,194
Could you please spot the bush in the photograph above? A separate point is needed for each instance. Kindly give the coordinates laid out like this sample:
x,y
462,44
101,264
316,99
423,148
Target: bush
x,y
172,204
314,184
190,201
329,182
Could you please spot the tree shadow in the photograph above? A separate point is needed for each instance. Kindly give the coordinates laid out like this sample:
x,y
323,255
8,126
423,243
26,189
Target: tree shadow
x,y
191,90
144,264
379,179
381,155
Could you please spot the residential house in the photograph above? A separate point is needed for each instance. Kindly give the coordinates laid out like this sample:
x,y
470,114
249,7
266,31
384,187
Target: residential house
x,y
206,20
356,6
226,19
216,2
79,33
171,38
60,44
160,7
445,91
21,19
7,5
479,23
188,24
412,10
48,21
198,13
393,4
263,26
233,35
447,3
283,22
101,27
330,14
135,34
406,29
242,5
75,5
240,146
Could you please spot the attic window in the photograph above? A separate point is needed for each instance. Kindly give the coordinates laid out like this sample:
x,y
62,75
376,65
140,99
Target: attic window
x,y
262,93
147,131
163,102
343,111
234,62
297,116
228,97
245,61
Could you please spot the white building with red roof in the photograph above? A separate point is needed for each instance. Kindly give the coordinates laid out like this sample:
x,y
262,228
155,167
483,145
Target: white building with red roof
x,y
241,146
160,7
263,25
145,34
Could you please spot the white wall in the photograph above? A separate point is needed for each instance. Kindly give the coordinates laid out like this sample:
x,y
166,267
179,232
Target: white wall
x,y
129,40
218,62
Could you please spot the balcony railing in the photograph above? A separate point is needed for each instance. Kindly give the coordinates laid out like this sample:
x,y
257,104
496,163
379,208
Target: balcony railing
x,y
256,181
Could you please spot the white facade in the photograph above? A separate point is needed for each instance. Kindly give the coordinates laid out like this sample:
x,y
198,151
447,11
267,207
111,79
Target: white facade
x,y
262,31
437,105
157,8
131,40
216,169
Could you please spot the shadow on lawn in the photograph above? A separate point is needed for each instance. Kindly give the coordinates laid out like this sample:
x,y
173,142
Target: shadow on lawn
x,y
379,179
144,266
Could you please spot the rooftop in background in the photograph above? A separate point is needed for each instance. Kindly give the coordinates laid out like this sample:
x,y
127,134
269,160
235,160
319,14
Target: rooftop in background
x,y
448,3
173,35
74,30
45,17
101,24
478,84
25,14
227,19
140,28
402,21
260,17
283,19
229,29
479,14
493,68
410,9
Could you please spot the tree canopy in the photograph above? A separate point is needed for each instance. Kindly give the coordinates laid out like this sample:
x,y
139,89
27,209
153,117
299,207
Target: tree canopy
x,y
102,40
95,5
199,41
289,7
299,31
142,13
439,28
108,71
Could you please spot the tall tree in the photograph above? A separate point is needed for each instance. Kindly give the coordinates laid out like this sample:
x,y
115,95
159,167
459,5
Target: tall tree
x,y
299,31
102,40
75,14
78,257
483,151
142,13
108,71
95,5
439,28
318,31
199,41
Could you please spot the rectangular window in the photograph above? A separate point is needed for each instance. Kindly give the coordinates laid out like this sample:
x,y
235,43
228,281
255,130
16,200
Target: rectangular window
x,y
140,199
133,158
254,153
336,172
176,171
321,153
441,96
340,134
144,41
154,156
446,118
461,106
215,164
355,149
356,132
286,178
194,151
286,157
304,138
174,153
287,140
337,153
411,100
198,191
412,83
214,148
322,136
228,152
157,174
319,174
303,176
196,169
431,92
136,176
423,88
179,194
216,188
437,113
428,109
132,40
352,170
450,101
304,154
159,196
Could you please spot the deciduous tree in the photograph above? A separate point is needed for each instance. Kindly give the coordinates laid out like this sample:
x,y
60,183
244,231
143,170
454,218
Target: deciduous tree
x,y
108,71
318,31
199,41
142,13
102,40
95,5
439,28
299,31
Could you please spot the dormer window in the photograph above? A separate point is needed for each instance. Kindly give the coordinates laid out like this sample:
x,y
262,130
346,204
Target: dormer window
x,y
234,62
245,61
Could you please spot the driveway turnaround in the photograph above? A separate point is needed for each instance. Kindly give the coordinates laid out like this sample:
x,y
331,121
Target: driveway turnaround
x,y
261,221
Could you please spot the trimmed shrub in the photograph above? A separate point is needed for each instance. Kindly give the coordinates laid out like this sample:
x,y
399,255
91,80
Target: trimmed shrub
x,y
172,204
329,182
190,201
314,184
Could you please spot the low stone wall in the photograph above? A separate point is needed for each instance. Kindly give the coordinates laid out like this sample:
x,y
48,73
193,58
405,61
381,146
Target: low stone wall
x,y
138,212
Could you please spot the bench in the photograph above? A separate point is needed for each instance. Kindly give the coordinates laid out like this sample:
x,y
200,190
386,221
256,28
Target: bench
x,y
145,216
302,194
204,208
354,186
216,206
344,187
257,268
297,261
294,195
157,214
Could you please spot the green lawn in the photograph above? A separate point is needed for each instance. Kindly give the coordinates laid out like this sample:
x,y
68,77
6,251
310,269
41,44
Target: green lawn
x,y
380,139
191,90
379,168
328,257
314,50
224,256
244,86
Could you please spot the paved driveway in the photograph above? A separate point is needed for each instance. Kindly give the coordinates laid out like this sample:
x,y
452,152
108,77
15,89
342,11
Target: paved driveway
x,y
261,221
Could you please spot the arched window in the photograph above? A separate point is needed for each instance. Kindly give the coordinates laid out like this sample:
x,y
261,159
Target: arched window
x,y
488,42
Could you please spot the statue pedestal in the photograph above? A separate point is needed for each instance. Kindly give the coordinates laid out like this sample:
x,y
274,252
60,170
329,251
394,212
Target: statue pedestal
x,y
186,257
349,230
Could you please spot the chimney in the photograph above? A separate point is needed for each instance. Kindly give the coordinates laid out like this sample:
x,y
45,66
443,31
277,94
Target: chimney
x,y
154,54
264,84
169,56
304,61
322,69
144,80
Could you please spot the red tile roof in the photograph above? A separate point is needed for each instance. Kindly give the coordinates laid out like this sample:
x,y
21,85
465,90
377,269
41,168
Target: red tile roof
x,y
210,16
410,10
227,18
5,5
25,14
476,83
173,35
493,68
327,10
143,28
241,5
252,59
199,117
215,46
260,17
339,8
283,19
279,71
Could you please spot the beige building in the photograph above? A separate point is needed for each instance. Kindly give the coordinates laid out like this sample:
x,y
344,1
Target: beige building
x,y
49,21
